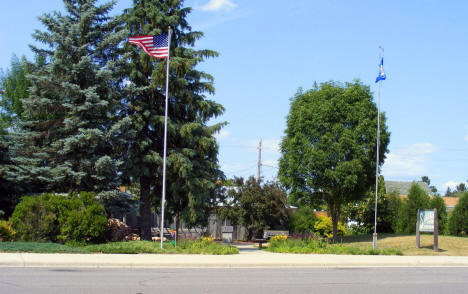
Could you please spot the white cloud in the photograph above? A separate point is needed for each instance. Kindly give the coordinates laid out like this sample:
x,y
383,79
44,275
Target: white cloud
x,y
408,162
451,184
222,134
218,5
466,138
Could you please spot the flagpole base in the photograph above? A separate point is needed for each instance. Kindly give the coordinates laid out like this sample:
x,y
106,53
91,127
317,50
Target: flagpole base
x,y
374,240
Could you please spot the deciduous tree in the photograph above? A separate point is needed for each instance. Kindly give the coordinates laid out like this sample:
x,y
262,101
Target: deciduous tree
x,y
329,148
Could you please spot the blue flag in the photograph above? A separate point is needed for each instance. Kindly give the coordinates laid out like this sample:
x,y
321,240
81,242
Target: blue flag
x,y
382,76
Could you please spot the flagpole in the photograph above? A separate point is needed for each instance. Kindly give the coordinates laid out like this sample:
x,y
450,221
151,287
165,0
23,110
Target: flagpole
x,y
163,196
374,236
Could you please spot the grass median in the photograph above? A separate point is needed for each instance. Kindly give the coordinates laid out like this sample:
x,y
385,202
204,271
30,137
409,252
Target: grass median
x,y
130,247
323,247
387,244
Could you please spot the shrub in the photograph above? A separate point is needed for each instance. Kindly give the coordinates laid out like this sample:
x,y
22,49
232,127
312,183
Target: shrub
x,y
302,220
6,232
118,231
458,221
281,237
73,219
35,219
324,227
207,239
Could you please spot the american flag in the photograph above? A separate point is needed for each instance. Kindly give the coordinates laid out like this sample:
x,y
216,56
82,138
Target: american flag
x,y
156,46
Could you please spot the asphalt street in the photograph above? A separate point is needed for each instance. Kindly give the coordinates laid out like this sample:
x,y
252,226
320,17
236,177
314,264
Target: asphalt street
x,y
224,280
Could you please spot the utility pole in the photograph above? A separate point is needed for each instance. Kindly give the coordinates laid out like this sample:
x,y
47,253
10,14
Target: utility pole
x,y
259,164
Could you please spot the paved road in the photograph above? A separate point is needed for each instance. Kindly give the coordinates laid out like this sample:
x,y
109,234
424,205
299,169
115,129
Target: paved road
x,y
286,280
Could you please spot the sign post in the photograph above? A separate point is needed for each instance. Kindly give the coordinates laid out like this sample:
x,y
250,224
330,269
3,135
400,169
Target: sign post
x,y
427,222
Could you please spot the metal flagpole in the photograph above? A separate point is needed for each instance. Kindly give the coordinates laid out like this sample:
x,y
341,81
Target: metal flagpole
x,y
374,236
163,200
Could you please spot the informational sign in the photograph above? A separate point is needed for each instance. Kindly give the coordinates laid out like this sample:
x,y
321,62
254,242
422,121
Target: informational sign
x,y
426,220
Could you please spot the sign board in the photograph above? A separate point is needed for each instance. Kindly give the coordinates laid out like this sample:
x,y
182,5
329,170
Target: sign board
x,y
426,220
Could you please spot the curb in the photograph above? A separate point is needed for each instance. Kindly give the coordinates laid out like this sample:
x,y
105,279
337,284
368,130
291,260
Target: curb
x,y
250,260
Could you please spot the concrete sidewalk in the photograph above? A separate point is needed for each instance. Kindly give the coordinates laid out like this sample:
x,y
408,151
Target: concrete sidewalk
x,y
248,257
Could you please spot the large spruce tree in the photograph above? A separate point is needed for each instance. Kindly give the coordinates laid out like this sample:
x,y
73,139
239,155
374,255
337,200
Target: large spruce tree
x,y
65,140
192,167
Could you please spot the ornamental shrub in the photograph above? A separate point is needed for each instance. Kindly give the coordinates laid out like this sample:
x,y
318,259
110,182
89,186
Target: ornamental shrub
x,y
324,227
6,232
36,219
73,219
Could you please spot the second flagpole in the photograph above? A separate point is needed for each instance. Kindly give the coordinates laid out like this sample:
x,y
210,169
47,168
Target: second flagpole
x,y
374,236
163,196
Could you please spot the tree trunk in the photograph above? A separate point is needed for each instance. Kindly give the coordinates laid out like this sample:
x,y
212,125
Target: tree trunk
x,y
145,208
177,225
335,215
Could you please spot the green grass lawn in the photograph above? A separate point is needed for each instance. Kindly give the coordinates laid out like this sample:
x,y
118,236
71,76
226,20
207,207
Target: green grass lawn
x,y
130,247
448,245
387,244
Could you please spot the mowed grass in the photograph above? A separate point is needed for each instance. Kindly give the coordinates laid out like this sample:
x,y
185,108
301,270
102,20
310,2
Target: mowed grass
x,y
448,245
130,247
36,247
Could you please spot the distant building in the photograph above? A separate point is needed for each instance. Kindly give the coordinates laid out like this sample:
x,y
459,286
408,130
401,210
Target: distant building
x,y
402,188
450,202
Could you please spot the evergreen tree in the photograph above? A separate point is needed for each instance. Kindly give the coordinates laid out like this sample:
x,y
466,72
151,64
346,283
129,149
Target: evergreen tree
x,y
67,125
407,216
192,167
458,221
438,202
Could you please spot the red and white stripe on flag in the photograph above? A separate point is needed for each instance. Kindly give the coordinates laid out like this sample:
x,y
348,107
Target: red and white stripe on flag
x,y
156,46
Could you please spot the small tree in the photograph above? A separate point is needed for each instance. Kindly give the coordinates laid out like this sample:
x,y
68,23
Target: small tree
x,y
458,221
257,207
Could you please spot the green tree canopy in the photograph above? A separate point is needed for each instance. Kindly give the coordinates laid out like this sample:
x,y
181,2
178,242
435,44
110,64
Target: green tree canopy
x,y
458,221
256,206
192,167
438,202
329,148
65,137
407,216
363,212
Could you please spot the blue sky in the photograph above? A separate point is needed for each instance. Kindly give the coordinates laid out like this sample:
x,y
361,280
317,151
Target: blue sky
x,y
268,49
